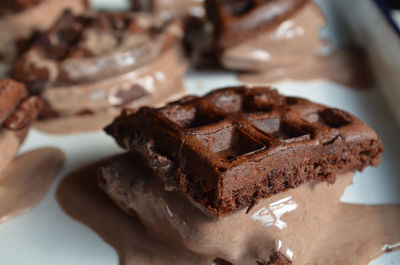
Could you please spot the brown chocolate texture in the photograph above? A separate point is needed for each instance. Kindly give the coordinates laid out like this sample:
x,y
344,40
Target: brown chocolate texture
x,y
306,225
12,6
74,40
170,8
17,109
238,20
22,20
125,177
235,146
91,63
17,113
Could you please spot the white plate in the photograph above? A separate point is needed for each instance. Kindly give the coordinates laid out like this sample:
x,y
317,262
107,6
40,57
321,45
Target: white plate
x,y
47,236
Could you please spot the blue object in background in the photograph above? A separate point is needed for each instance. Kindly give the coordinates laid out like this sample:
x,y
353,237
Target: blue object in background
x,y
386,7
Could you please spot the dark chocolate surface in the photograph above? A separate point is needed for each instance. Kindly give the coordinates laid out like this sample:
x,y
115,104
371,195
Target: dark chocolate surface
x,y
12,6
236,145
142,6
121,176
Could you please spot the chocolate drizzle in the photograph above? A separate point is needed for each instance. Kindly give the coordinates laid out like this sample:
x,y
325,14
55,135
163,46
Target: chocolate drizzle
x,y
26,180
329,227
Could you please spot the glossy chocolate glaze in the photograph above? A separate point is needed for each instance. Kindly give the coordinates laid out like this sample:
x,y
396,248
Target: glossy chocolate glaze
x,y
236,21
291,50
27,179
153,84
307,224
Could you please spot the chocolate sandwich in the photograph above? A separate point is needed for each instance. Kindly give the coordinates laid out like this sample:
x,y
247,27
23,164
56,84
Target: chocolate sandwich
x,y
17,112
89,65
228,149
211,173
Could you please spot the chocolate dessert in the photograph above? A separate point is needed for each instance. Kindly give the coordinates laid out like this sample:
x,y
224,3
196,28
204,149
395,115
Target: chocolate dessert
x,y
235,146
272,41
306,225
239,20
214,176
21,19
261,36
17,112
256,36
92,63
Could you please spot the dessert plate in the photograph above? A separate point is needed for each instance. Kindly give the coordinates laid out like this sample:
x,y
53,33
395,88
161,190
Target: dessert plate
x,y
47,235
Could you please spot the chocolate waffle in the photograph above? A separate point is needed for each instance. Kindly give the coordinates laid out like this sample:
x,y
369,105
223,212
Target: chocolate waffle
x,y
238,20
236,145
80,48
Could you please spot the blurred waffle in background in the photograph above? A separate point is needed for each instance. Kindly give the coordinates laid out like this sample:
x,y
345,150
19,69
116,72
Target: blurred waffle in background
x,y
20,20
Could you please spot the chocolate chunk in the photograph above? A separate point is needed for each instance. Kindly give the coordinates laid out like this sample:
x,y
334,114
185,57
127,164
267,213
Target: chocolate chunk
x,y
336,117
237,145
11,93
237,20
277,258
17,110
142,6
24,114
128,95
199,43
